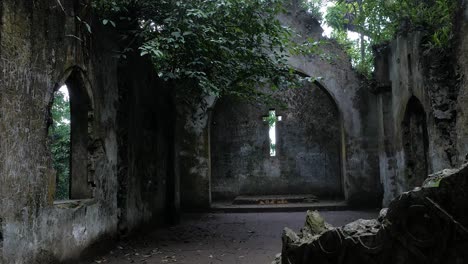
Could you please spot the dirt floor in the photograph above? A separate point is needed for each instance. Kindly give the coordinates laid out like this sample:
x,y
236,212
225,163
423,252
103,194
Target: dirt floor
x,y
250,238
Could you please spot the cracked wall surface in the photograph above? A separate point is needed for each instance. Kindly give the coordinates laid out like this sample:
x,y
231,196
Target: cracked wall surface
x,y
308,146
406,70
41,44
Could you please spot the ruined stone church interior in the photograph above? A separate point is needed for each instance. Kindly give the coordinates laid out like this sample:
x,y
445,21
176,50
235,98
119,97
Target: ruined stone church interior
x,y
233,131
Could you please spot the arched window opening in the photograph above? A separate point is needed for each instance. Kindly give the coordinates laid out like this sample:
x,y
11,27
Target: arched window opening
x,y
59,134
69,135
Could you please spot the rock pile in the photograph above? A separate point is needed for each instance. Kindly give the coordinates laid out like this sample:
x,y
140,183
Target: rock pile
x,y
426,225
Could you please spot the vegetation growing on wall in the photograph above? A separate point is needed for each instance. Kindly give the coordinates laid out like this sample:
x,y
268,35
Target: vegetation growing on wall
x,y
231,46
314,7
59,135
225,47
377,21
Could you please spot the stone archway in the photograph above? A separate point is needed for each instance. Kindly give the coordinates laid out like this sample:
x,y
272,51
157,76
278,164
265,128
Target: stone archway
x,y
308,151
415,145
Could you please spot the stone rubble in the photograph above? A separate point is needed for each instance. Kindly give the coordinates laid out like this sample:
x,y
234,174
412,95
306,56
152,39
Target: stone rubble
x,y
426,225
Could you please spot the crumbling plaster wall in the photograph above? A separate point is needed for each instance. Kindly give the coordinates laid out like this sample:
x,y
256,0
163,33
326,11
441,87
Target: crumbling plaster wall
x,y
193,154
41,42
308,146
403,71
131,139
147,186
395,88
355,103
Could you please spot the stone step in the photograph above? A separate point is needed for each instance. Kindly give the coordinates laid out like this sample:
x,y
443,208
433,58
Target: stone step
x,y
275,199
330,205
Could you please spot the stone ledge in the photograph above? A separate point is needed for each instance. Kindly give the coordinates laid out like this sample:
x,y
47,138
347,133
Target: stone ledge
x,y
73,204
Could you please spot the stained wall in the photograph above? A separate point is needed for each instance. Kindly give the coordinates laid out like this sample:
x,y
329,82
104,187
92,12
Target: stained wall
x,y
308,146
409,76
41,44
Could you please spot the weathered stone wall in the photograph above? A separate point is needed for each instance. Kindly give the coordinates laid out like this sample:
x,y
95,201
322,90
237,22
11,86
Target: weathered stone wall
x,y
462,106
407,74
403,80
193,157
41,44
354,101
400,78
146,140
308,150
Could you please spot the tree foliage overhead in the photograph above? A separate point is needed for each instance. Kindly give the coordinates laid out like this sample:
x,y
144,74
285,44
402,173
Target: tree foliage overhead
x,y
314,8
224,47
377,21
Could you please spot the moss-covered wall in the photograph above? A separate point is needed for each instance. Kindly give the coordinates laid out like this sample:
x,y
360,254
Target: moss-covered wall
x,y
308,146
408,73
41,44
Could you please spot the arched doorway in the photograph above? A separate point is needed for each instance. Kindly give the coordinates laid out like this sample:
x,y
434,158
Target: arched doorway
x,y
289,149
415,145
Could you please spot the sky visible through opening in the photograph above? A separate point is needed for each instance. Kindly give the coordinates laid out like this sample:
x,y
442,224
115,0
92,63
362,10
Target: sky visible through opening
x,y
327,30
272,119
64,90
272,134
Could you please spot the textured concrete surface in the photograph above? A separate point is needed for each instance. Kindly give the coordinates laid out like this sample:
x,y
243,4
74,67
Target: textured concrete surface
x,y
308,146
42,46
37,54
408,75
218,238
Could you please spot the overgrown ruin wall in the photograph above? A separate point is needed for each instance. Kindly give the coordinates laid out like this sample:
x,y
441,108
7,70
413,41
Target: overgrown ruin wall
x,y
409,74
360,146
41,44
308,146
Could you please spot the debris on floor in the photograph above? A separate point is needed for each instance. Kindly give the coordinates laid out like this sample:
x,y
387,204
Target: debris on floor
x,y
426,225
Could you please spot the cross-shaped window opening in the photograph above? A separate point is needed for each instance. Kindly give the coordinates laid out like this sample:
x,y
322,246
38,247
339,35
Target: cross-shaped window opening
x,y
272,120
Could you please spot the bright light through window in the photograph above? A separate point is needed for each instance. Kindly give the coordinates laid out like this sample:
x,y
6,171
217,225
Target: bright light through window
x,y
272,119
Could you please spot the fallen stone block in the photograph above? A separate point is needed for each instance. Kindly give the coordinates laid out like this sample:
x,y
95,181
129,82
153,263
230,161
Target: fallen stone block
x,y
426,225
